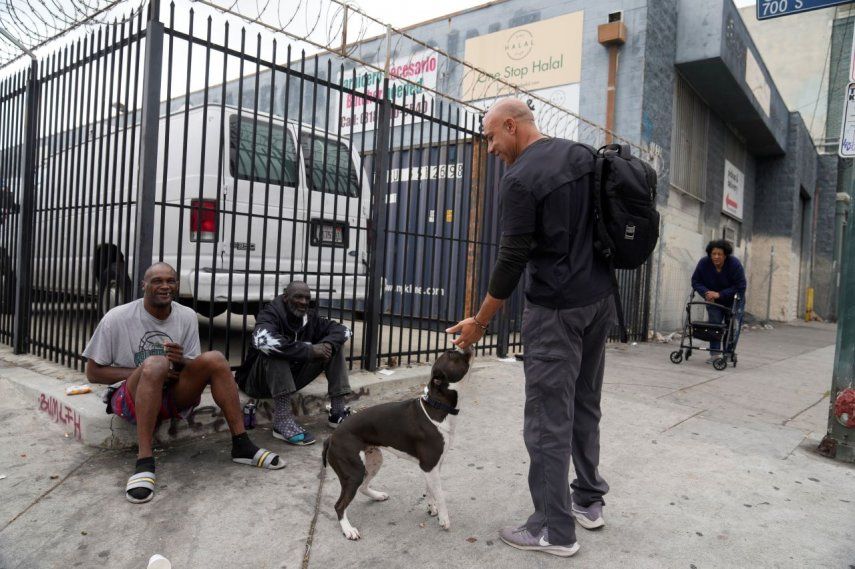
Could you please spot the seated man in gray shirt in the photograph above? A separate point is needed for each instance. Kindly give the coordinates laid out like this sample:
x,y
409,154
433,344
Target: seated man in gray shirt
x,y
151,346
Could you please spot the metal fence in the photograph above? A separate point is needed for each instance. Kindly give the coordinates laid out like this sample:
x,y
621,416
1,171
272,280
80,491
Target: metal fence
x,y
245,166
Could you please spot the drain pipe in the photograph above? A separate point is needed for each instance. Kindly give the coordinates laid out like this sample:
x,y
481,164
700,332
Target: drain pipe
x,y
612,36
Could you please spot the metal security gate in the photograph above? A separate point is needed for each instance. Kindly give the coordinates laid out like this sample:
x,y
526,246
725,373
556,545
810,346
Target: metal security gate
x,y
245,166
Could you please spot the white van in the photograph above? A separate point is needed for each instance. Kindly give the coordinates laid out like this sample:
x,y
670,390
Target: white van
x,y
280,207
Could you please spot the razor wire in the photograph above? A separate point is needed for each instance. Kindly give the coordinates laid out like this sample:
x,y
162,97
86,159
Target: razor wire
x,y
338,27
328,24
28,25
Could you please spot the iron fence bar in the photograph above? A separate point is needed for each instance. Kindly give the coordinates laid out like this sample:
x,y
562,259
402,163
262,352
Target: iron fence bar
x,y
360,205
182,183
152,72
426,147
74,208
404,210
252,184
114,240
170,50
14,147
269,150
63,136
233,228
377,236
123,275
285,137
24,252
222,196
87,281
387,233
200,194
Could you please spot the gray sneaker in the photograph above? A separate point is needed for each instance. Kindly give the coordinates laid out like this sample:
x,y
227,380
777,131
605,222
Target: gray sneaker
x,y
590,517
520,538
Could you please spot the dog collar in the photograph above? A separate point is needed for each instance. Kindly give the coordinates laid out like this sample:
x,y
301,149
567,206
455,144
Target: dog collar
x,y
440,405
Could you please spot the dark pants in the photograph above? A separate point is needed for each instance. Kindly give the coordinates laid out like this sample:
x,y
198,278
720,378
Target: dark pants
x,y
276,376
564,358
718,316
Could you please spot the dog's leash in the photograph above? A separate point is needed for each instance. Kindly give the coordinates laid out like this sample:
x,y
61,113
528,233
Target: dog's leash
x,y
311,537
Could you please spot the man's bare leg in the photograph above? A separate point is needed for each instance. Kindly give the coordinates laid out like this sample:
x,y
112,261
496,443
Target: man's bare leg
x,y
211,368
146,388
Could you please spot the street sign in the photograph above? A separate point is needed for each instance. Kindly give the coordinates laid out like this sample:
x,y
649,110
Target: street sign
x,y
776,8
847,129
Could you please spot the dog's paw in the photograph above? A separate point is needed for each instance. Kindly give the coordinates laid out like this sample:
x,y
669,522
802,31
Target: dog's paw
x,y
444,522
432,510
379,496
351,533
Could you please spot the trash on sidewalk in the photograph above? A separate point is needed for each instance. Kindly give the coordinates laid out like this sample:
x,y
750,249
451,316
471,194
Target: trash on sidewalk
x,y
2,476
158,561
508,360
385,371
77,389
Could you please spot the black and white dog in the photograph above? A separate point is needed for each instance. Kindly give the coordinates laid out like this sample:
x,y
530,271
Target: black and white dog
x,y
419,430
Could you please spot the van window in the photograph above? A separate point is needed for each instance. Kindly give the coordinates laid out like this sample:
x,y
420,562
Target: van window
x,y
266,163
336,174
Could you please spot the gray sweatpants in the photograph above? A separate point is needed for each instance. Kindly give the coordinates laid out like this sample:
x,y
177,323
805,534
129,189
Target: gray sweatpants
x,y
275,376
564,357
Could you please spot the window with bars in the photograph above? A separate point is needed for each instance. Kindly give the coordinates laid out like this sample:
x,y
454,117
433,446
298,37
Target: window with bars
x,y
689,140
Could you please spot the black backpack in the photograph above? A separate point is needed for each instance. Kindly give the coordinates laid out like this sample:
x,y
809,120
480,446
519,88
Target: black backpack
x,y
626,223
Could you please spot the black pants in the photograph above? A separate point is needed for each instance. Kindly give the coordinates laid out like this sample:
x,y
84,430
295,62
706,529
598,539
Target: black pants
x,y
277,376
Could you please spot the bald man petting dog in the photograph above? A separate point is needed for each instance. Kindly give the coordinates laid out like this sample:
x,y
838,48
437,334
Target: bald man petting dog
x,y
547,224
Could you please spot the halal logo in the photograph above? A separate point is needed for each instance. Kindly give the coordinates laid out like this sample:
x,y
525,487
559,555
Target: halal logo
x,y
519,44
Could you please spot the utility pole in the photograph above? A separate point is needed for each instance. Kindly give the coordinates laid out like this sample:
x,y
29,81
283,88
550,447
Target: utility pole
x,y
839,441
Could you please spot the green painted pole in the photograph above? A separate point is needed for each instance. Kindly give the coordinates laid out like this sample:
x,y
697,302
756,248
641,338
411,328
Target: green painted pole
x,y
839,442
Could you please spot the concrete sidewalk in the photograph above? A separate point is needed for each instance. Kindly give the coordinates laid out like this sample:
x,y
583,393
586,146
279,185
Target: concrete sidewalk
x,y
707,469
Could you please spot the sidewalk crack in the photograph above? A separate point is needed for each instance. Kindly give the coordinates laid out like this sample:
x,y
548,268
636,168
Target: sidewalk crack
x,y
692,416
806,409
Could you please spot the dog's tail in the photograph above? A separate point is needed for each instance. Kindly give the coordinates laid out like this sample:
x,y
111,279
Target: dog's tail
x,y
326,448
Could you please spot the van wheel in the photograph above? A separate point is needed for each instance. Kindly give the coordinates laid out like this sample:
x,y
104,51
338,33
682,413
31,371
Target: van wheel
x,y
7,291
114,288
211,308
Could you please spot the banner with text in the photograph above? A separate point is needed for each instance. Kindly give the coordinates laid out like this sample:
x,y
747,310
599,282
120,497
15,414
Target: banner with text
x,y
408,78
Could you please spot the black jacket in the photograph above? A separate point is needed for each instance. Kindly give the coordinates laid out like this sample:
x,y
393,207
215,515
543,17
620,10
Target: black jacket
x,y
274,337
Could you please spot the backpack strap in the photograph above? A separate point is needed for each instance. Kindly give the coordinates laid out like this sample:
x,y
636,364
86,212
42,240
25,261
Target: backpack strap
x,y
600,232
624,336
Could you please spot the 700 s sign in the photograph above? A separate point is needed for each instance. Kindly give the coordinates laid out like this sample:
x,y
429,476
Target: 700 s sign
x,y
774,8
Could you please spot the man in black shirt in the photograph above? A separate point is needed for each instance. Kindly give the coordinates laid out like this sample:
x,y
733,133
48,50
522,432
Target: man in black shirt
x,y
290,347
547,225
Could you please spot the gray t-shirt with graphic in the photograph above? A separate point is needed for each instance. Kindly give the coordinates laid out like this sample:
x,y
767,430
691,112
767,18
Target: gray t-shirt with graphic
x,y
128,334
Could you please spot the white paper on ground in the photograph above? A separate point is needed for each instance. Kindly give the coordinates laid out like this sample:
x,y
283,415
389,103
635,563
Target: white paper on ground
x,y
386,371
508,360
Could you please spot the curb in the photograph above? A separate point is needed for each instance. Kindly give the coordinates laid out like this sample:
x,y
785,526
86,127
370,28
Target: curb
x,y
84,417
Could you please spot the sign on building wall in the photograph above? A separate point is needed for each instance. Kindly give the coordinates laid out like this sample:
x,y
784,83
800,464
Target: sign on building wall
x,y
847,130
535,56
408,79
734,190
